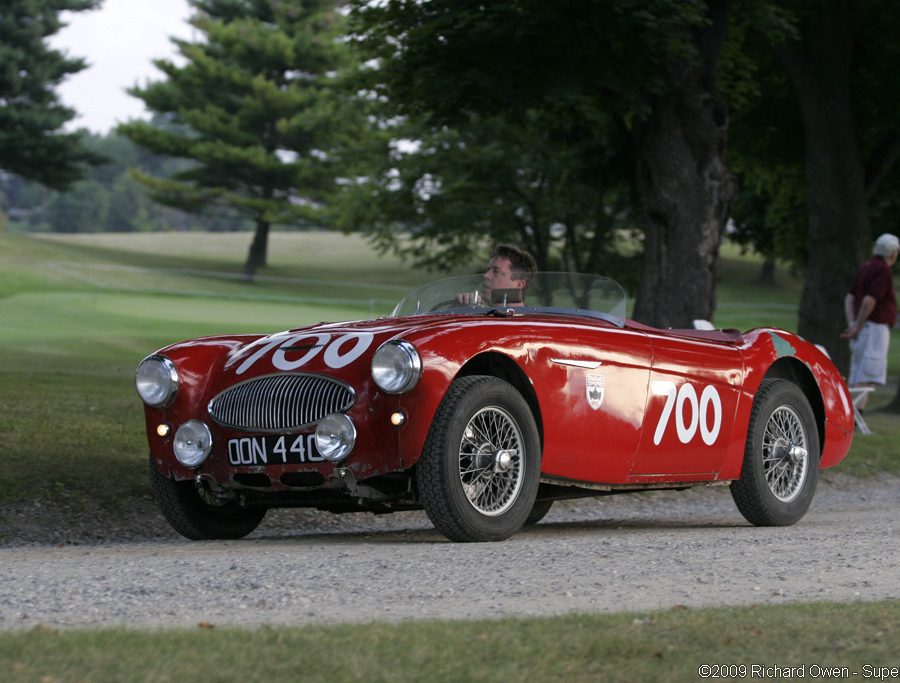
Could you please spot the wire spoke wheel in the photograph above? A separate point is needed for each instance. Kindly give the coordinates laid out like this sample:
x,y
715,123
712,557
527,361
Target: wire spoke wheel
x,y
785,453
480,468
781,457
490,464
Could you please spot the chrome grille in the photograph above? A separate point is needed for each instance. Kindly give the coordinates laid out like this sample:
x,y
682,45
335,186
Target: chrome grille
x,y
280,403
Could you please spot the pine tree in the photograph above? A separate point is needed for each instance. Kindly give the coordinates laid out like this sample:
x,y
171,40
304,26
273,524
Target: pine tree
x,y
32,143
254,108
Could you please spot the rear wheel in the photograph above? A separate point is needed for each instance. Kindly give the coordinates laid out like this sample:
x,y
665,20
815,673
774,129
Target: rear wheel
x,y
196,514
479,470
781,458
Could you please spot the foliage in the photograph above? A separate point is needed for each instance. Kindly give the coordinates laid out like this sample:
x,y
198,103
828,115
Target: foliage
x,y
641,81
443,195
253,109
826,64
32,143
509,57
767,147
531,142
80,209
109,199
876,100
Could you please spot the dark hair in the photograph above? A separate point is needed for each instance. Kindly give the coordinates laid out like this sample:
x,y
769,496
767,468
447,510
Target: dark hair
x,y
522,264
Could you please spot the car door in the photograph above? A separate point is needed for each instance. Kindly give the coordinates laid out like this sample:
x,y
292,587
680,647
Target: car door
x,y
691,404
593,397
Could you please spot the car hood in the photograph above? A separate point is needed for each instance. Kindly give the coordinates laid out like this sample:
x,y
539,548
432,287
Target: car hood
x,y
343,348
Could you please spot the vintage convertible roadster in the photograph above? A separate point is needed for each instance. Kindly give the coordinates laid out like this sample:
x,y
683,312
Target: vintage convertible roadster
x,y
485,412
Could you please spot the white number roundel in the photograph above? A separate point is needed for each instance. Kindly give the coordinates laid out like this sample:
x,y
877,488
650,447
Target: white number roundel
x,y
691,414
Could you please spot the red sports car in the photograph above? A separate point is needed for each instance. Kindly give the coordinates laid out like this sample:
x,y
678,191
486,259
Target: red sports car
x,y
483,408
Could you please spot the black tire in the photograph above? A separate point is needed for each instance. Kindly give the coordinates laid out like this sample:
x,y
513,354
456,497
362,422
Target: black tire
x,y
781,458
474,485
538,511
191,516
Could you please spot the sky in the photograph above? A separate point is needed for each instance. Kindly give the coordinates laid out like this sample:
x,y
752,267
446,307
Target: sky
x,y
119,41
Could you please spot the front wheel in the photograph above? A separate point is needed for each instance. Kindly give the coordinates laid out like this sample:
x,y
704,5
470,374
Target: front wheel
x,y
781,458
196,515
538,511
479,471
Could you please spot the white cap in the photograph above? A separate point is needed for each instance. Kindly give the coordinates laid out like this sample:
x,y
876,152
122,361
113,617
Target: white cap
x,y
886,245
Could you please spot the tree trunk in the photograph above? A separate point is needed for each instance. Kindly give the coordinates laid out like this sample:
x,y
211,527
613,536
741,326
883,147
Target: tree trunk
x,y
259,249
839,236
686,189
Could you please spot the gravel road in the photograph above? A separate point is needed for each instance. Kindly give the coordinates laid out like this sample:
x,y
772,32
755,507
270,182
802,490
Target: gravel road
x,y
640,552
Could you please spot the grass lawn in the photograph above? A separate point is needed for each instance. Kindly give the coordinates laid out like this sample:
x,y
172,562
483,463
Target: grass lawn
x,y
659,646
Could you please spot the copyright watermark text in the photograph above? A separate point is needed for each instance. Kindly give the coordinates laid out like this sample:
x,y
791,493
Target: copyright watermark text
x,y
775,672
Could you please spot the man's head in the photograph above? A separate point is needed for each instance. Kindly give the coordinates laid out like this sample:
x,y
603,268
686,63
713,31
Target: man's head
x,y
888,247
509,268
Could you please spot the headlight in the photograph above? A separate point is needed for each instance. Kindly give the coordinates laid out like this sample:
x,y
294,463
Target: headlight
x,y
156,381
335,436
396,367
192,443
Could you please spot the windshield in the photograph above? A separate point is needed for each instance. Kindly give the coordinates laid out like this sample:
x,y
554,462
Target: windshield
x,y
560,293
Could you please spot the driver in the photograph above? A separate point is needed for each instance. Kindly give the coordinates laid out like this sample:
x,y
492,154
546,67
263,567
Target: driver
x,y
509,268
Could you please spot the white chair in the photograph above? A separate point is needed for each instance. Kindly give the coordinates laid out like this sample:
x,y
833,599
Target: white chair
x,y
856,395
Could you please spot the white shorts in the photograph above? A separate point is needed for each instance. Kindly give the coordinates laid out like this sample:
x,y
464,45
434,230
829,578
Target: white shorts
x,y
868,355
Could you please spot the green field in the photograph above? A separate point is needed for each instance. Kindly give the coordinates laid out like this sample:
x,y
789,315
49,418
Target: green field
x,y
78,313
660,646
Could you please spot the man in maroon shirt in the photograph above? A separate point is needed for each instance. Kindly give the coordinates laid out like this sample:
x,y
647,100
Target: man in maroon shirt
x,y
871,311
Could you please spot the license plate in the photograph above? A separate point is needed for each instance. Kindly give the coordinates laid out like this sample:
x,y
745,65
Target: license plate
x,y
274,450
